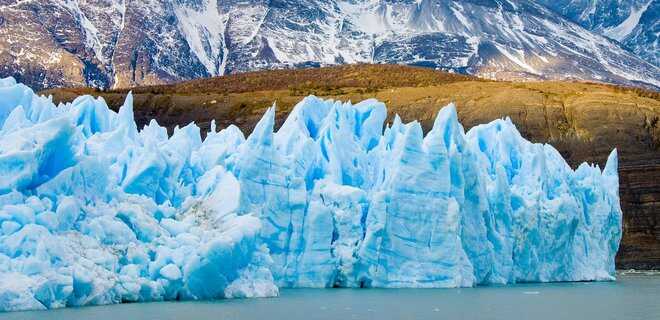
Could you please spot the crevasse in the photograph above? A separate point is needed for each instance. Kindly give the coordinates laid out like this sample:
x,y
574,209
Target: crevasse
x,y
95,211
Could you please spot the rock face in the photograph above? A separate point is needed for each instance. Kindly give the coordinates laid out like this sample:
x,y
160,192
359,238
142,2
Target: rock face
x,y
118,44
583,121
640,198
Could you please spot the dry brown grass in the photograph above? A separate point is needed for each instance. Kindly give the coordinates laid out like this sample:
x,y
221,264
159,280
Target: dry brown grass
x,y
584,120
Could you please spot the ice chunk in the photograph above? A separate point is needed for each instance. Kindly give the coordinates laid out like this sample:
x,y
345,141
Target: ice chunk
x,y
171,272
16,293
31,156
94,211
413,226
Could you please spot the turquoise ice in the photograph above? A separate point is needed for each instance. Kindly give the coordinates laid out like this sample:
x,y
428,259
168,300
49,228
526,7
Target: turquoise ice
x,y
94,210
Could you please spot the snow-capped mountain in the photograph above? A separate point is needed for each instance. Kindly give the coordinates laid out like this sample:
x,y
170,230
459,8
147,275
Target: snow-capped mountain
x,y
121,43
634,23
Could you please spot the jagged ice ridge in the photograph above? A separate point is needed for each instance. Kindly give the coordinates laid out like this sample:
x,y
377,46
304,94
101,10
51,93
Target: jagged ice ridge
x,y
95,211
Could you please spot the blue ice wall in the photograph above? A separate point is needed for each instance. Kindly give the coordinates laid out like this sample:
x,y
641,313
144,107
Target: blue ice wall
x,y
94,210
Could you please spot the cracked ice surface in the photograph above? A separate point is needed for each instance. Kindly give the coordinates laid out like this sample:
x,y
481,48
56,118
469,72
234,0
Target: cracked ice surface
x,y
95,211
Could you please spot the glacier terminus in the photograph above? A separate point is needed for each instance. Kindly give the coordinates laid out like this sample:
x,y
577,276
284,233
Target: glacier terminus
x,y
94,210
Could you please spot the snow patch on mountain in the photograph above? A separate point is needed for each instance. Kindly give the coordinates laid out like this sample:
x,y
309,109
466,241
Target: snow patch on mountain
x,y
204,28
622,30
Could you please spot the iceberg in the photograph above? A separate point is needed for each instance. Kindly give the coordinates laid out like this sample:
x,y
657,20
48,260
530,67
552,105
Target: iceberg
x,y
94,210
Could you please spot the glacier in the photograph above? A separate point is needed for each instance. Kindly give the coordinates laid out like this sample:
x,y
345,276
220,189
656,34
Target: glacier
x,y
94,210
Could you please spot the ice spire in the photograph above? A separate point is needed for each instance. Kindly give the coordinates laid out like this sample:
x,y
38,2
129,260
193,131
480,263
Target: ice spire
x,y
612,164
126,118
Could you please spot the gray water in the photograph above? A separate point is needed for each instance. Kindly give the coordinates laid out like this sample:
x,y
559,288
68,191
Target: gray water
x,y
631,297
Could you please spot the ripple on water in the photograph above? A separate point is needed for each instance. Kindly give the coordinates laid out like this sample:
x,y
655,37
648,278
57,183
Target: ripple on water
x,y
634,296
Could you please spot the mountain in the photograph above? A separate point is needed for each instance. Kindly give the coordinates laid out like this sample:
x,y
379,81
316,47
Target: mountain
x,y
118,43
633,23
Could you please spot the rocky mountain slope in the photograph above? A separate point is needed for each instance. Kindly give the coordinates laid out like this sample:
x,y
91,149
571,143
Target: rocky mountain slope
x,y
633,23
123,43
583,121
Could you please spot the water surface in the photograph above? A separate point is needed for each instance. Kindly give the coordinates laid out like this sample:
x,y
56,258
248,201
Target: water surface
x,y
631,297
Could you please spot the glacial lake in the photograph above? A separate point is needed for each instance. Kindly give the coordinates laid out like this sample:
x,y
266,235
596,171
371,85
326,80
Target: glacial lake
x,y
631,297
